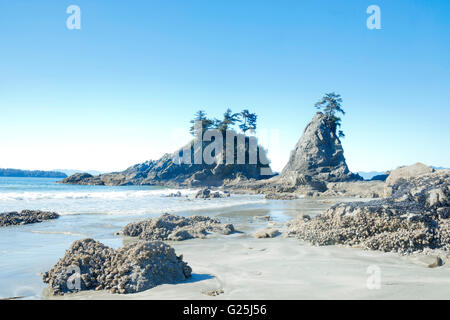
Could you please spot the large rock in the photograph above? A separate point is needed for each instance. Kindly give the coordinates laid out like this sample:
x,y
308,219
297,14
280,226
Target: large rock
x,y
169,171
318,154
360,189
405,173
176,228
415,217
133,268
77,178
25,217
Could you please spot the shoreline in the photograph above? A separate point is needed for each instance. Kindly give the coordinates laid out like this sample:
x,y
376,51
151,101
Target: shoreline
x,y
283,268
276,268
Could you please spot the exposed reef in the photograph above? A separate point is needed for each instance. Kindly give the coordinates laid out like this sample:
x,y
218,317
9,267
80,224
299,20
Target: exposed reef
x,y
25,217
90,265
176,228
414,217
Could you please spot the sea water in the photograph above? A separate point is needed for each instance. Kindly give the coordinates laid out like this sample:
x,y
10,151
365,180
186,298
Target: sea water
x,y
97,212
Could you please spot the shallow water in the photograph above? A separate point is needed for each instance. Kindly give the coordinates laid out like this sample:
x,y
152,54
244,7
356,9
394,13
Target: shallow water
x,y
87,211
245,267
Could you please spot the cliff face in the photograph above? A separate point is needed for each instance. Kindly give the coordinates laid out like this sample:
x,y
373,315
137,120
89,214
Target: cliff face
x,y
166,171
319,154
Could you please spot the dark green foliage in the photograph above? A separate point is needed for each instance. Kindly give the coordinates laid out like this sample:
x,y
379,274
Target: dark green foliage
x,y
229,120
31,174
331,105
246,119
206,123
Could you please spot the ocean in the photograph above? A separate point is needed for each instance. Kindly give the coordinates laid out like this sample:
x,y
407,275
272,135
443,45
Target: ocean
x,y
86,212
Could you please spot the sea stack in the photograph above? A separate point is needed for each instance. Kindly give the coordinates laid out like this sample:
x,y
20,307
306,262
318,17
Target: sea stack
x,y
166,171
319,155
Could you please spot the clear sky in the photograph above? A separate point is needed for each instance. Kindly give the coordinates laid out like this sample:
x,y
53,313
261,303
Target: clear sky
x,y
122,89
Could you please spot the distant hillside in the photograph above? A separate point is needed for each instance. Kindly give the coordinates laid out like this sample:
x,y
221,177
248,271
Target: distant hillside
x,y
70,172
439,168
31,174
369,175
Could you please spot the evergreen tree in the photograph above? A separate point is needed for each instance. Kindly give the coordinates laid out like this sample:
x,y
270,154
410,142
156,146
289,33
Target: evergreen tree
x,y
229,120
248,121
206,122
331,105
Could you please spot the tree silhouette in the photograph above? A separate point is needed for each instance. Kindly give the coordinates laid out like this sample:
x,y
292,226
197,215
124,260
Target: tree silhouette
x,y
229,120
331,105
206,122
248,121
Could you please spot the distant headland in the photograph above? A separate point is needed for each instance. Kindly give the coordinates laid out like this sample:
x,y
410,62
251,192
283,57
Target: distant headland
x,y
31,173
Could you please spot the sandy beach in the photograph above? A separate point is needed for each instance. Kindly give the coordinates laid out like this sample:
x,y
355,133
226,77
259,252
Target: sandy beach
x,y
240,266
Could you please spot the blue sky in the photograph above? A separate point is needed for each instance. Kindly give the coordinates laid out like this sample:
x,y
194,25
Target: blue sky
x,y
122,89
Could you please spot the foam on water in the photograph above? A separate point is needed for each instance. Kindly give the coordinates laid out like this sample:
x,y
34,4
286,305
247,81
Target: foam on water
x,y
88,212
17,194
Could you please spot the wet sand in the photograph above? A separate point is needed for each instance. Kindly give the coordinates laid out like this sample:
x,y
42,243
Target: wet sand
x,y
284,268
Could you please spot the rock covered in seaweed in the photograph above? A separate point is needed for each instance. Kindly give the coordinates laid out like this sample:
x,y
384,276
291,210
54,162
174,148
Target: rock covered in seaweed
x,y
25,217
176,228
415,217
206,193
133,268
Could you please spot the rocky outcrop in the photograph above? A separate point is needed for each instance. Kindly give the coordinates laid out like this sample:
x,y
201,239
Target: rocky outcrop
x,y
403,174
357,189
281,196
208,194
318,154
278,188
176,228
318,159
77,178
380,177
89,265
266,233
174,195
25,217
415,217
171,172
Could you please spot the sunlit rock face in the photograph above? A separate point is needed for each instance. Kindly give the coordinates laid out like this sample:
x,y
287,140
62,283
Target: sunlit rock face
x,y
318,154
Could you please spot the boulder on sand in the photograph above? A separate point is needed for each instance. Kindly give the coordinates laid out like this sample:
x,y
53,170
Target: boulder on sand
x,y
266,233
89,265
25,217
176,228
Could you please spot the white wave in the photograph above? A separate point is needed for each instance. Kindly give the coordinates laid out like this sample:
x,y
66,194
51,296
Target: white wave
x,y
68,233
112,195
151,208
119,202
